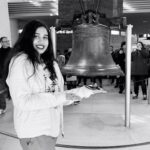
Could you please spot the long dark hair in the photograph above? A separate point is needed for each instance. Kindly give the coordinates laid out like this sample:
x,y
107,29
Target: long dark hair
x,y
25,45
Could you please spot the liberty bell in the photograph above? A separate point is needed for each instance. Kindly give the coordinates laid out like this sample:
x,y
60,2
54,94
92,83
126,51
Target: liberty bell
x,y
90,52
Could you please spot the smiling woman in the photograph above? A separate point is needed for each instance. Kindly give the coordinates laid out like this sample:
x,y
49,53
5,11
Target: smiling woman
x,y
37,93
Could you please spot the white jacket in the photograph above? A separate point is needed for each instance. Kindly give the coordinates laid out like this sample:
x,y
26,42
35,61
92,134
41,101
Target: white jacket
x,y
36,112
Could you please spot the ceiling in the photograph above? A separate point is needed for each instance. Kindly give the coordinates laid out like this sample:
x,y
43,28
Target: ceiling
x,y
136,6
137,12
138,15
62,10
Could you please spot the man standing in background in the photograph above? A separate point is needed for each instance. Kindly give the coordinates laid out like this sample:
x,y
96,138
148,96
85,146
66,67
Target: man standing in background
x,y
4,92
139,69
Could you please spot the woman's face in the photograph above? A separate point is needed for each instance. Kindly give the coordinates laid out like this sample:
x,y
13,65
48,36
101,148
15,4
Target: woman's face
x,y
40,40
139,46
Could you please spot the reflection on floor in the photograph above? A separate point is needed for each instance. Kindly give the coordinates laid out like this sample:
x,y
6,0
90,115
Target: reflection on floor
x,y
95,123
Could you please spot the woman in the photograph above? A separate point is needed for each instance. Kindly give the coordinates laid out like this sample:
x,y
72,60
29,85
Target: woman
x,y
139,69
36,87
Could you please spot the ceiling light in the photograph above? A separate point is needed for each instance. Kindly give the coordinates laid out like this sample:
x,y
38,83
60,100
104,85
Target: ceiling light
x,y
127,7
35,3
114,32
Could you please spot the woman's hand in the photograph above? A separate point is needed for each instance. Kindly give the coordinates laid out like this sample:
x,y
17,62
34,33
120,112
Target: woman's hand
x,y
72,97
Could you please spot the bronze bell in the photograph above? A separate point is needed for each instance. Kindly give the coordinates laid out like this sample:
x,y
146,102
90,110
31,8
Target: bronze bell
x,y
90,52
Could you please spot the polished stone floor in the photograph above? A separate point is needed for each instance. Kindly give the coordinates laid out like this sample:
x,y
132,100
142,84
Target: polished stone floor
x,y
97,122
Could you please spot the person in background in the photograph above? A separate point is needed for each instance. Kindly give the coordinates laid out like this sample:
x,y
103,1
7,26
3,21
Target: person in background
x,y
4,91
71,80
68,54
80,79
121,62
139,69
94,82
36,88
60,59
61,62
113,54
119,58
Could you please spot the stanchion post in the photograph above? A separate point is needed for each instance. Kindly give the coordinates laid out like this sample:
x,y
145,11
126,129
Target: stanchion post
x,y
128,76
148,90
53,37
